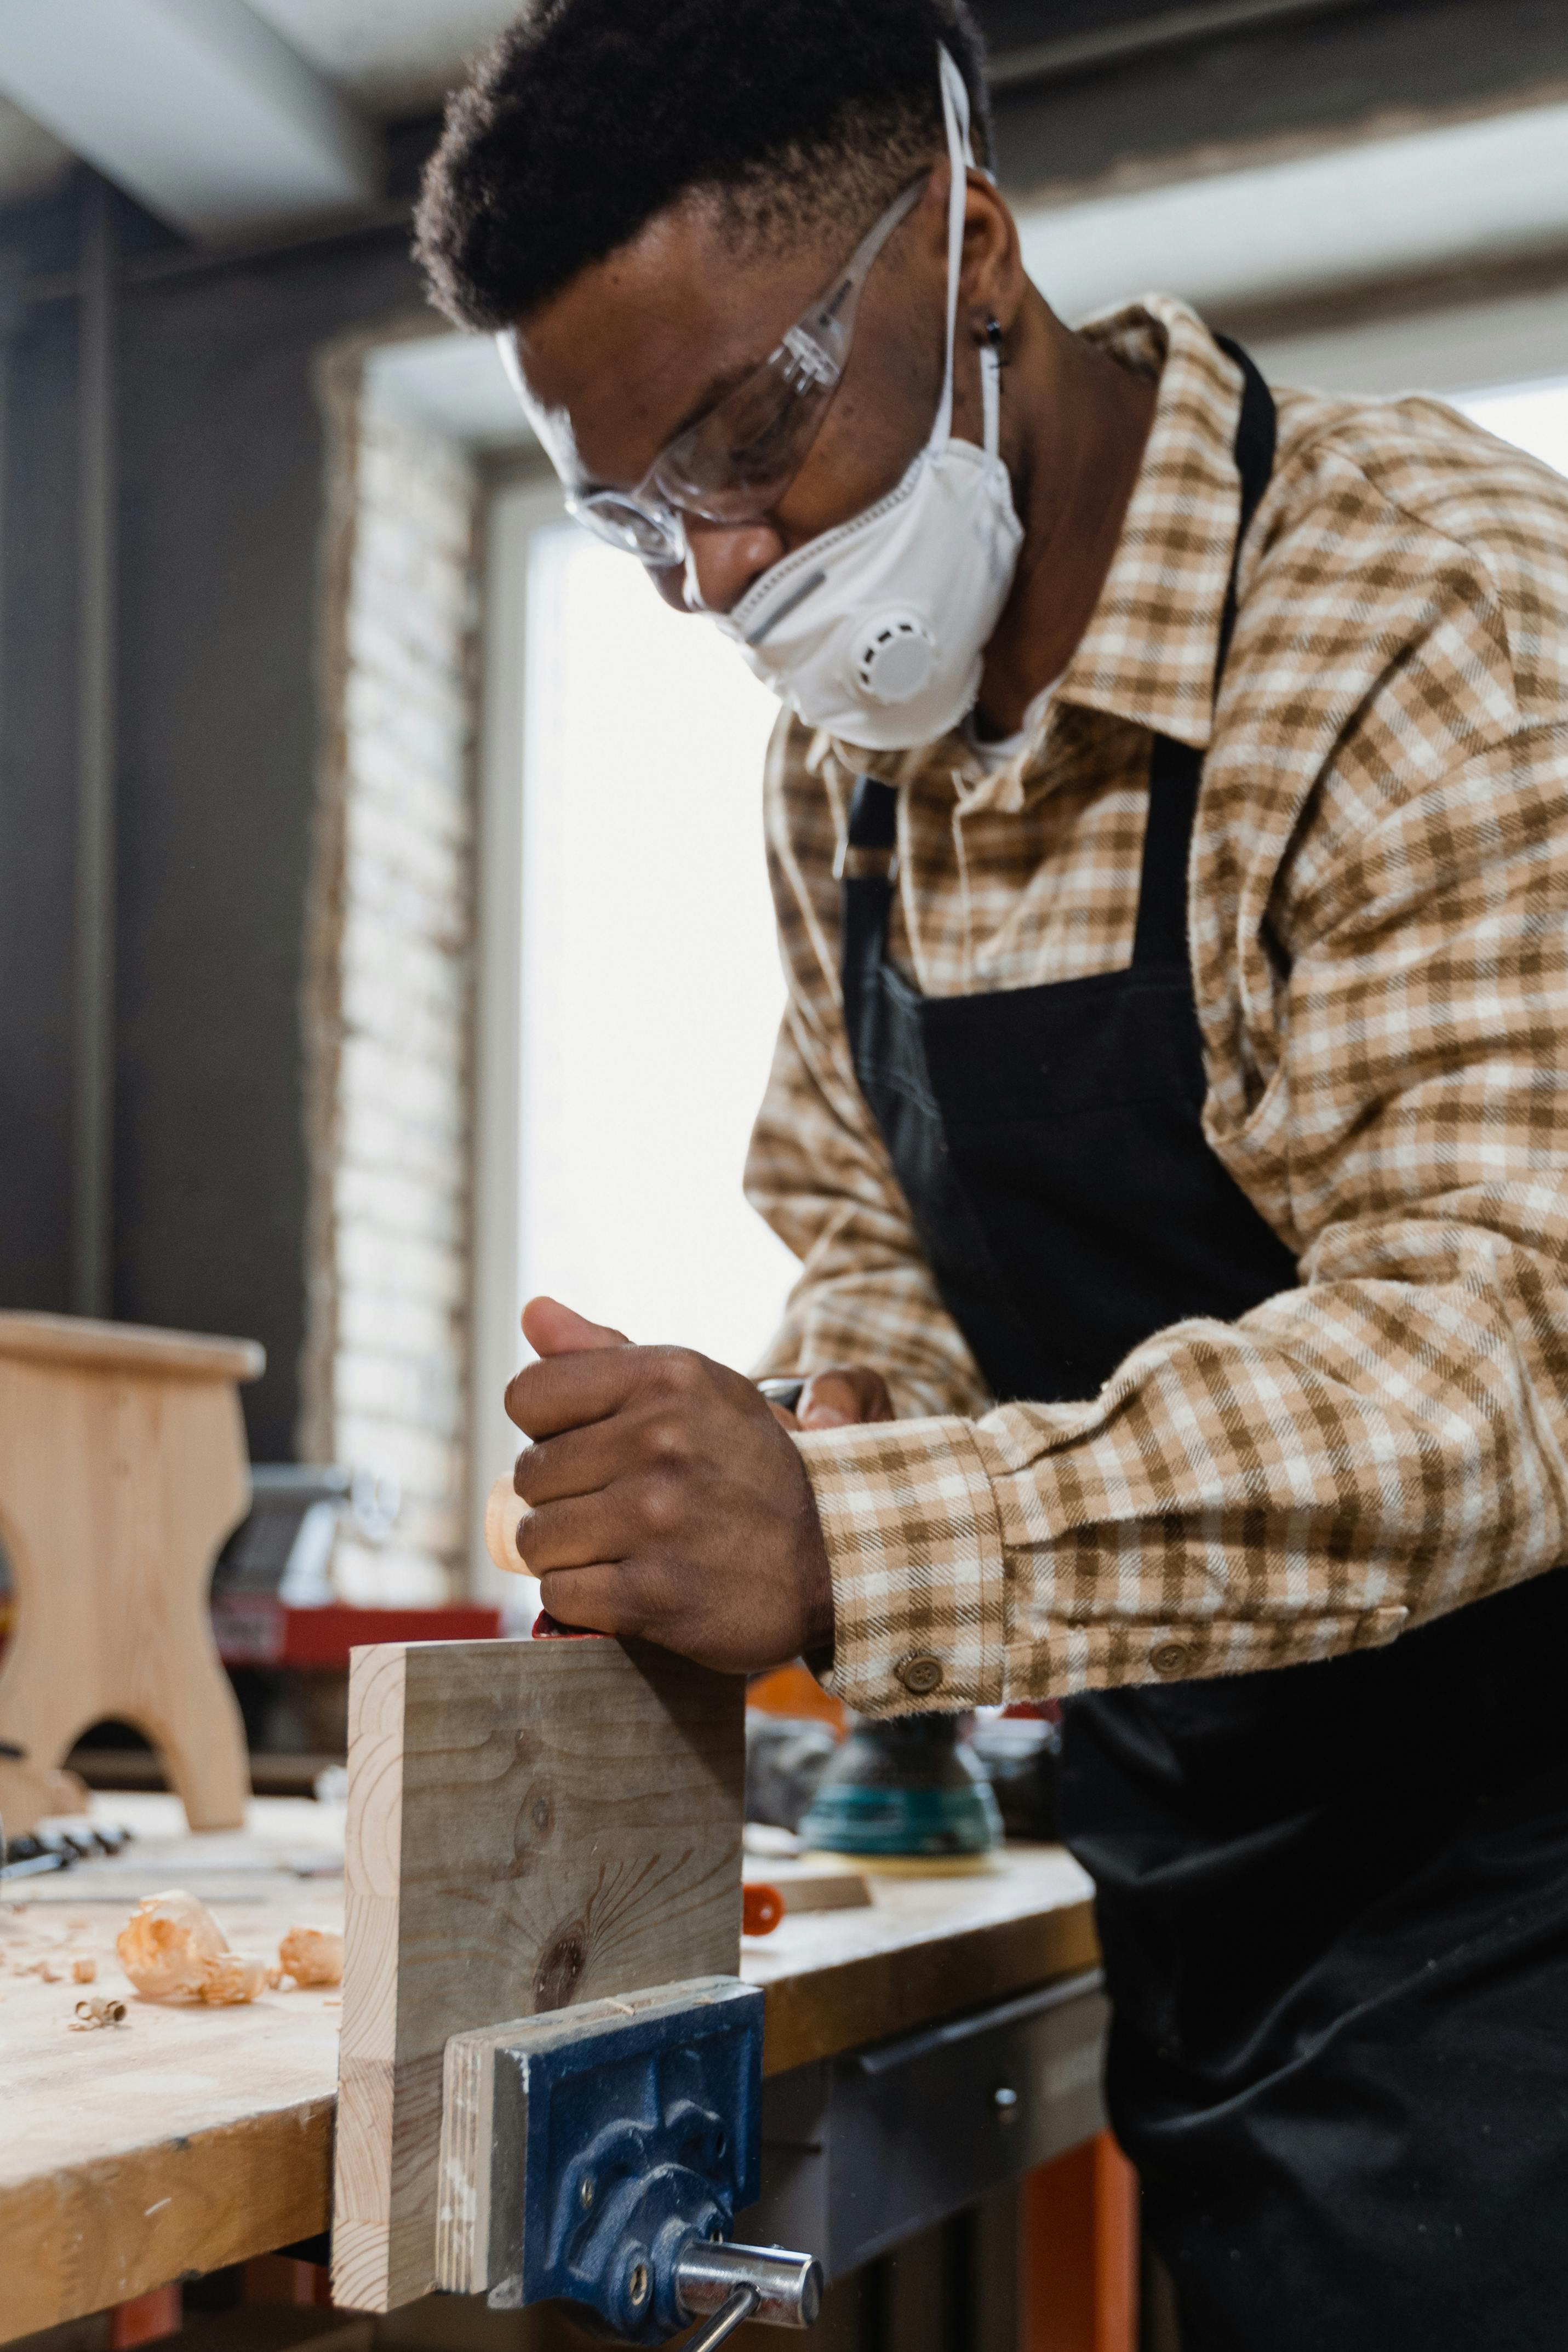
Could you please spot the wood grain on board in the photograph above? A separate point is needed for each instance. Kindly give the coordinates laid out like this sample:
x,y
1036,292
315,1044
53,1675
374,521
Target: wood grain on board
x,y
122,1468
530,1824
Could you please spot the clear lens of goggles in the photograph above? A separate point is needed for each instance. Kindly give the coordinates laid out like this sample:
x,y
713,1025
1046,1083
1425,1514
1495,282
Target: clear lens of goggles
x,y
630,524
736,462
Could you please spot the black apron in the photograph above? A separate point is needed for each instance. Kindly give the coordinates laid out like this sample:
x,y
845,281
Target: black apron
x,y
1333,1898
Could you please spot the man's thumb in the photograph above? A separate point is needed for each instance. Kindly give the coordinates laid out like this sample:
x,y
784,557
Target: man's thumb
x,y
552,1329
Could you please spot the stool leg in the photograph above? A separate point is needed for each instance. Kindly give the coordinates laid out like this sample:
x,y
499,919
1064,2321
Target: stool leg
x,y
116,1491
187,1439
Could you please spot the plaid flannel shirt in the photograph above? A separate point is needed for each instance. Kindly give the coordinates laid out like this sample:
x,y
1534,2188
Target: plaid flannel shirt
x,y
1379,924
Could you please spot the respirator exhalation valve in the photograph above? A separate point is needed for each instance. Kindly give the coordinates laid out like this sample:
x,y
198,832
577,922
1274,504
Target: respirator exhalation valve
x,y
895,657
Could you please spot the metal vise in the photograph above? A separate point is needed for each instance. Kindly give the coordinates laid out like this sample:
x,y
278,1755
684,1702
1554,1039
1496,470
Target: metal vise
x,y
600,2154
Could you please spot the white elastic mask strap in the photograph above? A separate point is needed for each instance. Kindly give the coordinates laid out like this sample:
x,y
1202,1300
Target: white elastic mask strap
x,y
991,398
955,113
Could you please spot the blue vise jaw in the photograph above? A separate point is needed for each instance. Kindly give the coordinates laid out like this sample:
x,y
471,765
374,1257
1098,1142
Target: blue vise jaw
x,y
598,2156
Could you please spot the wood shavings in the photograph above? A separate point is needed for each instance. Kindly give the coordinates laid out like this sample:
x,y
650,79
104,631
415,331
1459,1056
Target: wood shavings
x,y
171,1948
167,1943
84,1971
96,2011
231,1978
311,1955
45,1970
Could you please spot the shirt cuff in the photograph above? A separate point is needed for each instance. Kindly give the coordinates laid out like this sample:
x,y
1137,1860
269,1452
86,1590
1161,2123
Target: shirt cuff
x,y
914,1544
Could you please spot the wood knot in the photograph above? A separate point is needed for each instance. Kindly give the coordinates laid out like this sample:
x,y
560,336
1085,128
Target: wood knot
x,y
532,1824
560,1969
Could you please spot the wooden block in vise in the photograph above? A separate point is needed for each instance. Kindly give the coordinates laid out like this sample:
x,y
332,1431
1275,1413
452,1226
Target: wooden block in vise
x,y
480,2199
530,1824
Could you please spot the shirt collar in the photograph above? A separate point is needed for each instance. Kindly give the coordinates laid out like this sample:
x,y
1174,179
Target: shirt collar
x,y
1148,653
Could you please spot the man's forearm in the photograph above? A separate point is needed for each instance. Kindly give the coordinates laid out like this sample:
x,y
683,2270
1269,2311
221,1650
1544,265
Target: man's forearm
x,y
1238,1497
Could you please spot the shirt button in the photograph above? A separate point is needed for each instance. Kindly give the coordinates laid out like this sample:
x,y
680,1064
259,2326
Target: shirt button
x,y
1170,1659
919,1675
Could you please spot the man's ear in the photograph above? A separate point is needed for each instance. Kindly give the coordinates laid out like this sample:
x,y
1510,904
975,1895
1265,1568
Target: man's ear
x,y
992,281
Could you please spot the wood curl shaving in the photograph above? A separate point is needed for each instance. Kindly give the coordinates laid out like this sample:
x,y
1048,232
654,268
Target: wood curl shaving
x,y
96,2011
311,1955
171,1948
233,1978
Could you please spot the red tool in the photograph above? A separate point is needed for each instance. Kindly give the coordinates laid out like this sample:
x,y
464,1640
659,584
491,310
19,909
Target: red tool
x,y
545,1628
762,1908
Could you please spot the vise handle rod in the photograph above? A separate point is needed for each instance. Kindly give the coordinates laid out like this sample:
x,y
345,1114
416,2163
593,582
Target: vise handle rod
x,y
735,2282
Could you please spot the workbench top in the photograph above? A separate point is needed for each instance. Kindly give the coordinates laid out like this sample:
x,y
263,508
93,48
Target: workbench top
x,y
189,2138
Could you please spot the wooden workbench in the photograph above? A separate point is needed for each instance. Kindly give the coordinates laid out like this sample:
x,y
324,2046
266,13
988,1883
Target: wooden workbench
x,y
191,2137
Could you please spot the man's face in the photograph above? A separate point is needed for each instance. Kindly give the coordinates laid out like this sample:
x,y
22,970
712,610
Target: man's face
x,y
638,346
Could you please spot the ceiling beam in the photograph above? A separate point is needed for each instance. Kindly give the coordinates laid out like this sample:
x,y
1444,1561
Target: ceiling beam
x,y
1444,197
196,108
1148,36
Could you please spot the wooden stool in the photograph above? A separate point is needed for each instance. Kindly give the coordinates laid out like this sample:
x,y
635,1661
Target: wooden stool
x,y
122,1468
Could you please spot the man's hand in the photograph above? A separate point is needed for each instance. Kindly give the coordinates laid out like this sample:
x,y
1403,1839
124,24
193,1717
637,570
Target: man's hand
x,y
664,1501
843,1394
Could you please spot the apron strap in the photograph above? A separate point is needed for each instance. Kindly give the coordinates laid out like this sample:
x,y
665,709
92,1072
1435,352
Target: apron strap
x,y
1176,770
868,866
870,848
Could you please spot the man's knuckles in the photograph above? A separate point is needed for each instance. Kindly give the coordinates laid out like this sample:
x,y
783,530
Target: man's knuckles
x,y
665,1437
661,1507
677,1390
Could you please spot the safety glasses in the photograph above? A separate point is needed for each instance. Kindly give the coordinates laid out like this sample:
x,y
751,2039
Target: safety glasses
x,y
735,462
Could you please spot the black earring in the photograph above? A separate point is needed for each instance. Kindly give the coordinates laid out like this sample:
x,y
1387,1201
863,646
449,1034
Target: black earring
x,y
994,337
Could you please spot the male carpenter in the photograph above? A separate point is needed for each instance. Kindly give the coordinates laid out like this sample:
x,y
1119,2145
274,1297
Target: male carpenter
x,y
1169,835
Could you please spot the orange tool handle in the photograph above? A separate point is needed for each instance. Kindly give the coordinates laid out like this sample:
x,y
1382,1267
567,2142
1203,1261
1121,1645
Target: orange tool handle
x,y
762,1908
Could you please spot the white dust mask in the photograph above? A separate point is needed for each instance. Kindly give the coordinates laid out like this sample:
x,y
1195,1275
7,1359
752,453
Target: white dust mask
x,y
876,630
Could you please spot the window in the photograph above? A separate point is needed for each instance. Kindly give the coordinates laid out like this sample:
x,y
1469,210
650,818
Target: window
x,y
631,987
651,984
1535,416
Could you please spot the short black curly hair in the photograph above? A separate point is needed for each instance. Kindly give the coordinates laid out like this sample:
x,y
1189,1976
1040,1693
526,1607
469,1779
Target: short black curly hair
x,y
588,117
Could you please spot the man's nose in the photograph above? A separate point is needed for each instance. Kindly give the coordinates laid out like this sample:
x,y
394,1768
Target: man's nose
x,y
725,558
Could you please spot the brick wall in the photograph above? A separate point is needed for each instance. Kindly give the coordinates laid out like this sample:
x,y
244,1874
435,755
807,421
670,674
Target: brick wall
x,y
388,1008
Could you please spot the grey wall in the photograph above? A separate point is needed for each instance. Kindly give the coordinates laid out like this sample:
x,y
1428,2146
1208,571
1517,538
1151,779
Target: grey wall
x,y
221,461
38,748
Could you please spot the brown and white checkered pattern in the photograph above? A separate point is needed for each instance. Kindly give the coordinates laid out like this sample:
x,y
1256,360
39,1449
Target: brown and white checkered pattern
x,y
1379,918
